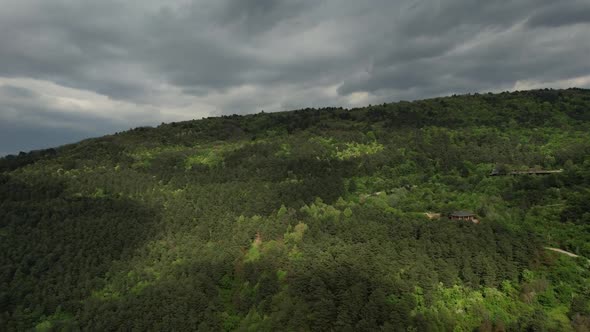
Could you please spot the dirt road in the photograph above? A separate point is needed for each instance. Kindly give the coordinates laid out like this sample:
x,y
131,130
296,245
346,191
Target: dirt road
x,y
562,251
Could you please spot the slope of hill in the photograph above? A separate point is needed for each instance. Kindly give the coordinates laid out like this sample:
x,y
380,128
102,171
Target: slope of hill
x,y
308,220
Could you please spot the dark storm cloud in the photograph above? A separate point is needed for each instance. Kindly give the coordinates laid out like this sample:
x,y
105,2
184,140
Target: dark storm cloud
x,y
255,16
17,137
204,57
30,120
16,91
470,48
23,106
560,14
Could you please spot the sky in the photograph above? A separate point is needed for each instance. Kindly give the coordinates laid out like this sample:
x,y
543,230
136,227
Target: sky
x,y
76,69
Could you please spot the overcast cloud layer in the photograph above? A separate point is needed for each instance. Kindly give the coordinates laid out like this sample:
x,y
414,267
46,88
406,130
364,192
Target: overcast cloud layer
x,y
74,69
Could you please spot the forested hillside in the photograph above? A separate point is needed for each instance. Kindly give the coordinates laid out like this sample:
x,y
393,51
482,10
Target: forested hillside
x,y
313,219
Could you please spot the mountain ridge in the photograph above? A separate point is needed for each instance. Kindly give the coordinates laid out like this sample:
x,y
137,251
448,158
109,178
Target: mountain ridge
x,y
311,219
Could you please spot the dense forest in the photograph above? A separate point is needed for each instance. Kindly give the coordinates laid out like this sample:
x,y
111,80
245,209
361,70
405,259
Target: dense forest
x,y
310,220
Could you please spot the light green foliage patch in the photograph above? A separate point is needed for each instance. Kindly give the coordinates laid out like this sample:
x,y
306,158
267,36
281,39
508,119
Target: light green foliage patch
x,y
347,212
253,253
470,307
230,322
44,326
140,286
296,254
281,275
348,150
321,211
107,293
284,151
357,150
296,235
47,324
210,157
143,157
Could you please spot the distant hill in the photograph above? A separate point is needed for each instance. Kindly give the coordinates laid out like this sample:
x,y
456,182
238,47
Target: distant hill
x,y
313,219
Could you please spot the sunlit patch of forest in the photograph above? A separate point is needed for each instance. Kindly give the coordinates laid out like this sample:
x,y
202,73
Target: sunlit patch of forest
x,y
313,219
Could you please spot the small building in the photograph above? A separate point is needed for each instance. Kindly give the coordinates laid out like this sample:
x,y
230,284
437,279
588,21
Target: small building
x,y
464,215
496,172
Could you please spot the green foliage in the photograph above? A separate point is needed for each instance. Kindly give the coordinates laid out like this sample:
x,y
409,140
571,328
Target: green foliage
x,y
210,158
308,220
253,254
356,150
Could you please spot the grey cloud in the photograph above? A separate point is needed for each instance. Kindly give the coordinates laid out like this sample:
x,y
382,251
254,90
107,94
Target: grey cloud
x,y
468,57
30,129
26,123
16,92
255,16
561,14
435,17
28,120
288,53
15,137
27,107
68,43
201,46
